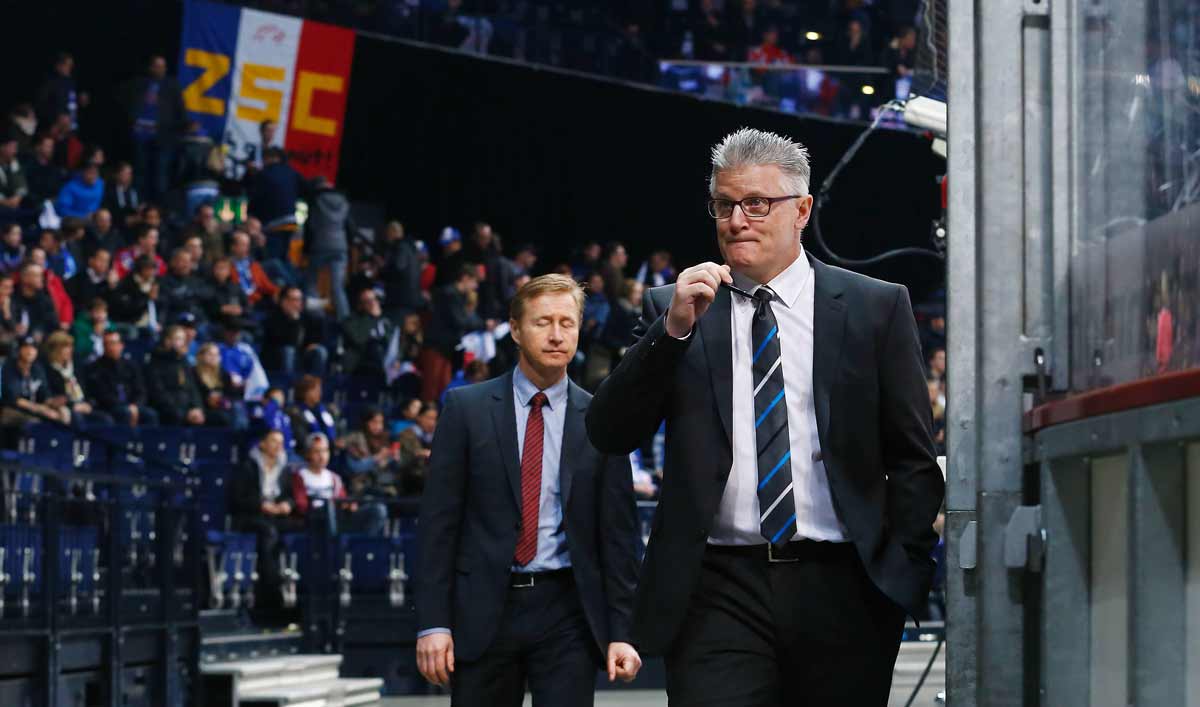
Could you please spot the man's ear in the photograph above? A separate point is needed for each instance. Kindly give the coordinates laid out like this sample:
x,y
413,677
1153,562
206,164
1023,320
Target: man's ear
x,y
513,330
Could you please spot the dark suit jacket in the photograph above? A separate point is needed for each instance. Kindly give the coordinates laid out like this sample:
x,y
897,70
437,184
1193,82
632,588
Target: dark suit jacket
x,y
471,510
873,421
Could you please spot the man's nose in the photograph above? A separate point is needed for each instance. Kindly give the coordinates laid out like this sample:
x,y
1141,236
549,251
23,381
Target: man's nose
x,y
737,219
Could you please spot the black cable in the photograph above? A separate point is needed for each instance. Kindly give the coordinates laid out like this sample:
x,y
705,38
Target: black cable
x,y
928,667
823,197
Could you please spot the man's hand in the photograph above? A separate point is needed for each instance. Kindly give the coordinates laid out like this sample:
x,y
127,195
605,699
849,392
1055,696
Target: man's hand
x,y
435,658
695,290
623,662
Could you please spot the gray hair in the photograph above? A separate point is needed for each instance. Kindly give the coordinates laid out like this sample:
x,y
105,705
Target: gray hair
x,y
749,147
315,437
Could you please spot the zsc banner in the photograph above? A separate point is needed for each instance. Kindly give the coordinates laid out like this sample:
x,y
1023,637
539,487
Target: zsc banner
x,y
239,67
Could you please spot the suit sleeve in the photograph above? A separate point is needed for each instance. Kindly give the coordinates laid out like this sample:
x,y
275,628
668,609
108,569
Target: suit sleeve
x,y
441,517
618,544
630,403
914,480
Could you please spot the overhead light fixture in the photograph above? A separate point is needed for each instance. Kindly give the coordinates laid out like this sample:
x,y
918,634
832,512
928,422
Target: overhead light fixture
x,y
812,36
868,90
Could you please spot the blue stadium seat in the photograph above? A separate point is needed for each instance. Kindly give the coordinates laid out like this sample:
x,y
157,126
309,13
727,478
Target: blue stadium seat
x,y
19,542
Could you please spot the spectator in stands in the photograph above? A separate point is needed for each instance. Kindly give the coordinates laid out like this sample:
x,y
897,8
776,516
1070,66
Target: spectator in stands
x,y
188,321
768,50
267,130
12,249
135,300
68,150
153,106
657,270
221,393
745,26
310,415
314,481
102,234
122,197
415,447
452,259
613,270
933,334
241,360
146,243
116,385
170,383
618,334
371,459
260,502
226,299
14,323
586,261
22,124
89,330
60,259
34,305
273,416
179,290
483,250
58,95
273,194
710,40
327,236
13,188
293,335
451,319
64,308
401,272
43,176
24,390
248,273
937,400
937,364
199,167
97,279
854,47
65,390
367,336
444,26
474,371
901,56
81,196
211,232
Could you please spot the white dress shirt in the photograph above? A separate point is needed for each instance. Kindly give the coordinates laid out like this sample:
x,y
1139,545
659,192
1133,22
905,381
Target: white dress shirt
x,y
737,521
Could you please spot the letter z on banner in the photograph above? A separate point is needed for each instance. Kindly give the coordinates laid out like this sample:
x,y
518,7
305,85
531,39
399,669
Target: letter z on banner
x,y
240,67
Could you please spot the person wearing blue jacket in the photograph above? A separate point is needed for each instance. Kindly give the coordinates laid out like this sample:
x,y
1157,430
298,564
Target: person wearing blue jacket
x,y
81,196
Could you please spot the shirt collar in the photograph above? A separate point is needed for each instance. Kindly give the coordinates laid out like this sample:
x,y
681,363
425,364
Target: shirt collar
x,y
524,390
787,285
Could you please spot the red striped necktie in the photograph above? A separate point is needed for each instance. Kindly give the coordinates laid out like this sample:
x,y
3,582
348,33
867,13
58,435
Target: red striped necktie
x,y
531,482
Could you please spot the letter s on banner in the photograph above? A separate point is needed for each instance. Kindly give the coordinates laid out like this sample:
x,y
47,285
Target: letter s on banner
x,y
271,98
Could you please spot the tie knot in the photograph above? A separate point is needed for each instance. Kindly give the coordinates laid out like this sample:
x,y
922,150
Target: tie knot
x,y
762,301
538,400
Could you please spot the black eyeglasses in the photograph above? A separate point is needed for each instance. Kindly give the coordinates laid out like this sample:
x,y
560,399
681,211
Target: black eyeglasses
x,y
752,206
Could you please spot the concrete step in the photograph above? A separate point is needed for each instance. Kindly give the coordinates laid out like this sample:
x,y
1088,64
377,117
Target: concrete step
x,y
340,692
266,673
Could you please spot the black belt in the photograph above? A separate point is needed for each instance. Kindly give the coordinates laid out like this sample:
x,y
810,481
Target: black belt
x,y
794,551
525,580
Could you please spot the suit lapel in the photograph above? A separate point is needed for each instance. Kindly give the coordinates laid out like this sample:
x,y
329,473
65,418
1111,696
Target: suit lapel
x,y
574,437
716,331
504,417
829,324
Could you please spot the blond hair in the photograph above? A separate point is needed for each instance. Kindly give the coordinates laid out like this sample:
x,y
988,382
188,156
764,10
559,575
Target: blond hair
x,y
57,341
545,285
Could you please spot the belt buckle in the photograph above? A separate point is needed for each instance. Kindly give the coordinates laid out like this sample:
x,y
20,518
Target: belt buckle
x,y
526,581
774,560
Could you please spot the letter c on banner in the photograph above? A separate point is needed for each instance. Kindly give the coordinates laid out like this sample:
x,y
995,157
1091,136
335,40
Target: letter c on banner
x,y
309,83
272,99
215,66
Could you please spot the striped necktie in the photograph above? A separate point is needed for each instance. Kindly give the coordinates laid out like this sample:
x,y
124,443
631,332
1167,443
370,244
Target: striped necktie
x,y
777,521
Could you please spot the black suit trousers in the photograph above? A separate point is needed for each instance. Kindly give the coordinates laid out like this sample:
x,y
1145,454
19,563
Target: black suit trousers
x,y
544,641
815,631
